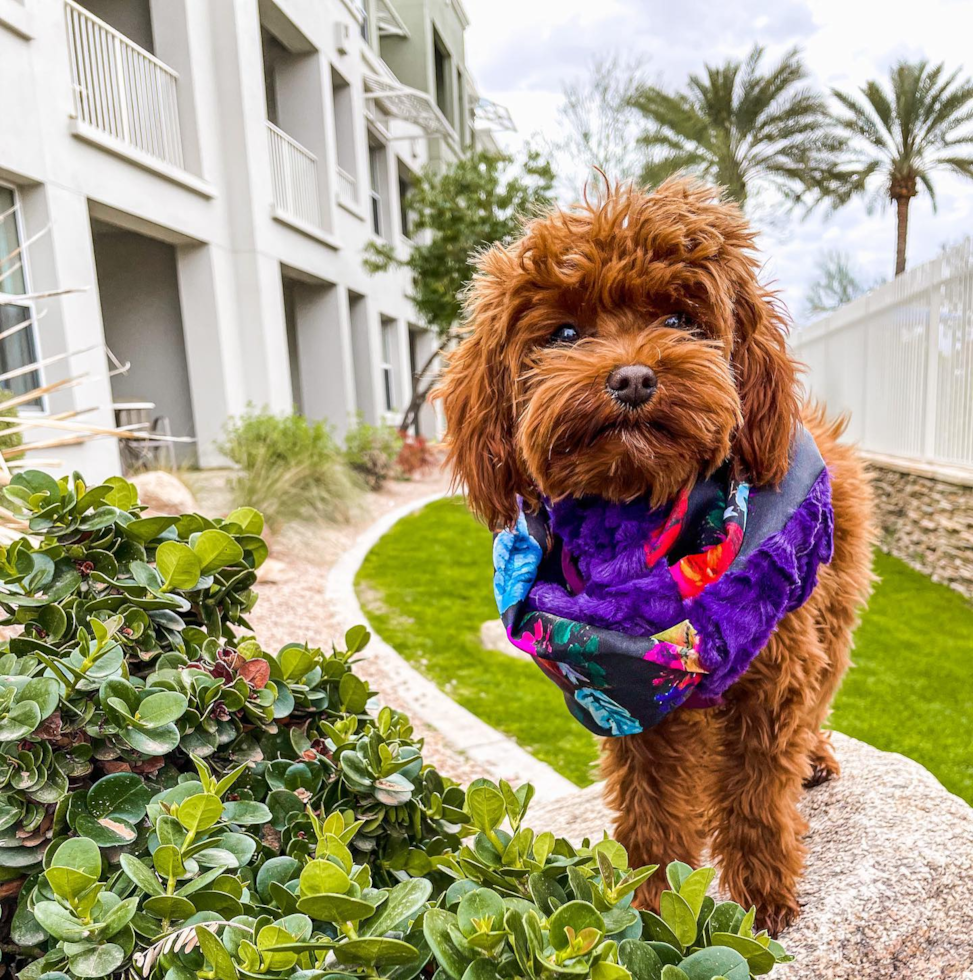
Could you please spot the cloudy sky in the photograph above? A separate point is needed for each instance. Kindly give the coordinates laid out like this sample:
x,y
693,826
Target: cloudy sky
x,y
523,51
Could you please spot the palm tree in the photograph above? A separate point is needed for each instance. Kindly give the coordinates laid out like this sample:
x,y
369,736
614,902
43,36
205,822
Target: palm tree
x,y
739,127
898,138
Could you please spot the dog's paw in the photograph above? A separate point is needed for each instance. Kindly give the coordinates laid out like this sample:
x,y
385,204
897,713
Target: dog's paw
x,y
824,763
776,919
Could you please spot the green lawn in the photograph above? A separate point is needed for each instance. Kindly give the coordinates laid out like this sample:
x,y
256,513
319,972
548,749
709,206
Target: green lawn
x,y
426,587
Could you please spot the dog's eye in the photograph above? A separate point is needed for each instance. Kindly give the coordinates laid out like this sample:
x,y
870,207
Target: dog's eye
x,y
567,333
680,321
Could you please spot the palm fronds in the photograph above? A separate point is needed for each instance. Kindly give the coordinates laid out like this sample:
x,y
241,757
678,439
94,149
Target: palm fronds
x,y
900,135
741,127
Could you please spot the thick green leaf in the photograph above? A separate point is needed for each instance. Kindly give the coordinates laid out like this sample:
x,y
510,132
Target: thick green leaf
x,y
97,961
371,952
119,917
199,812
715,961
246,812
67,883
105,831
215,550
79,853
169,907
122,794
324,877
574,915
21,720
678,916
484,803
58,922
435,928
403,904
760,959
161,709
216,953
155,741
693,888
640,959
141,875
144,529
168,861
43,691
280,869
178,565
480,909
250,521
335,908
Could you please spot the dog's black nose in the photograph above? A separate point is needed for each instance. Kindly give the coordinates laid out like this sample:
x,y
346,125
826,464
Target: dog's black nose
x,y
632,385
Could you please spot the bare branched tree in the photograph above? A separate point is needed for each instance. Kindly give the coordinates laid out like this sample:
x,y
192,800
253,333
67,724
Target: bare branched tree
x,y
837,282
598,124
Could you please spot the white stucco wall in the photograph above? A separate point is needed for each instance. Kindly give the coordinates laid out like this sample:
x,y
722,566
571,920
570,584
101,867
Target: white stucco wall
x,y
227,251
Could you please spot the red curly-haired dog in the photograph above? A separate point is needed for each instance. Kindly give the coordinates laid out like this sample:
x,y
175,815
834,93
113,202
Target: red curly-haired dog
x,y
667,281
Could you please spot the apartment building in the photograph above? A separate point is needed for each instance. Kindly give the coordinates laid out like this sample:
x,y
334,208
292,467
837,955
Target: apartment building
x,y
192,184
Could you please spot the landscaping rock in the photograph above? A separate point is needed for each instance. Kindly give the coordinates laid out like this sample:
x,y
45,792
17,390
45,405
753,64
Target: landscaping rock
x,y
889,881
164,493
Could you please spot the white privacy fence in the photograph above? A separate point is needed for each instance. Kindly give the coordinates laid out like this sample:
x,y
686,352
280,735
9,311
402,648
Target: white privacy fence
x,y
121,89
294,173
900,362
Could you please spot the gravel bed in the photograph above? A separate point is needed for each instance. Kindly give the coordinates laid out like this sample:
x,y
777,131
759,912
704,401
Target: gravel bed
x,y
292,605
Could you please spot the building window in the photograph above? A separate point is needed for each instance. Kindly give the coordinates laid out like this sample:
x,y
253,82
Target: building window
x,y
18,342
388,360
444,69
363,10
274,54
376,173
344,124
405,189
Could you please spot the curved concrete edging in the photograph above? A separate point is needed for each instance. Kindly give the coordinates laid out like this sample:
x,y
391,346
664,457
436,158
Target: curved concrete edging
x,y
500,756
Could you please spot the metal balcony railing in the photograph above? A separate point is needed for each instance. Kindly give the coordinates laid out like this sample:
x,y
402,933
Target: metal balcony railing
x,y
121,89
347,187
294,173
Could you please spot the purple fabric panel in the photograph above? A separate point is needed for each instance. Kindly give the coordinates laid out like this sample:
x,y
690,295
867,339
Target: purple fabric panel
x,y
735,616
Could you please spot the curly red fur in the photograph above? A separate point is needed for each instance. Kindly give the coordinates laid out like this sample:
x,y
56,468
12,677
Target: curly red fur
x,y
527,417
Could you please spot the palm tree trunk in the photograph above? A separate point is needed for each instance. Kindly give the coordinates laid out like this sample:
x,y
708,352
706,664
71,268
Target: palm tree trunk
x,y
901,231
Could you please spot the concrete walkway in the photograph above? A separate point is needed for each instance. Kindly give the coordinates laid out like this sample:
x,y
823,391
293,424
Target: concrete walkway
x,y
491,753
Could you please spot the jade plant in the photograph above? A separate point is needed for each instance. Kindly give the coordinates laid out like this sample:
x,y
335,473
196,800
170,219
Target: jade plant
x,y
177,802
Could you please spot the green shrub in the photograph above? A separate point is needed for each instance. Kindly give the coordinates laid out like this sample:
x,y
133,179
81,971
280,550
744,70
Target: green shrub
x,y
290,468
178,802
371,451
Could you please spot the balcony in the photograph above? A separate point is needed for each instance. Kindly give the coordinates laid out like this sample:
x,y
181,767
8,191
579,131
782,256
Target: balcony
x,y
294,175
347,188
122,91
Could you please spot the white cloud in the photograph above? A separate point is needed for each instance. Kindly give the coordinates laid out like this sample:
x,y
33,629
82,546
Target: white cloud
x,y
521,51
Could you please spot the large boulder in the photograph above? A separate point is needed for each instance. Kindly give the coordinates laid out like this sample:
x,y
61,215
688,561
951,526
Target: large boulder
x,y
164,493
888,889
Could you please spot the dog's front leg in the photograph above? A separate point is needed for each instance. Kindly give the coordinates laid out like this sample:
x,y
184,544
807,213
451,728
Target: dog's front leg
x,y
766,731
655,782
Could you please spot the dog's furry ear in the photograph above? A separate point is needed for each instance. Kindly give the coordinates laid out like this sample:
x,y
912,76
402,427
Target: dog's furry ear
x,y
477,397
766,379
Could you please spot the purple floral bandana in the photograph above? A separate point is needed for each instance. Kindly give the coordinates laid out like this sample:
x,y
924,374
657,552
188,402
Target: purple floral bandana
x,y
633,612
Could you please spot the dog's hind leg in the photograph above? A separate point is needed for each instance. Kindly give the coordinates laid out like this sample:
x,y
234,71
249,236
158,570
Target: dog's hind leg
x,y
655,783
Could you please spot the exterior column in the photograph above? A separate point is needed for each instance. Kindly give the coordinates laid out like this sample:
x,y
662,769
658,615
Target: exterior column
x,y
213,355
64,259
324,343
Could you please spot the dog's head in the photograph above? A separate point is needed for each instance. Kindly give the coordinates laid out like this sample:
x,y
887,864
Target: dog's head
x,y
619,349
